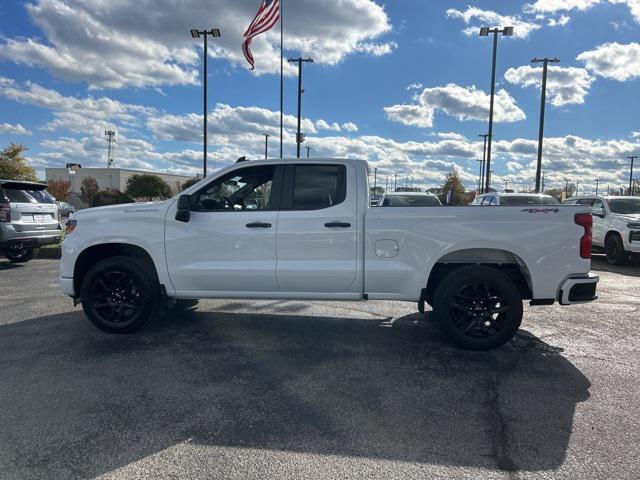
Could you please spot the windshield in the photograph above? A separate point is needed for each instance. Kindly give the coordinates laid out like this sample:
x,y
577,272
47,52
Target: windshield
x,y
411,201
528,200
625,206
17,195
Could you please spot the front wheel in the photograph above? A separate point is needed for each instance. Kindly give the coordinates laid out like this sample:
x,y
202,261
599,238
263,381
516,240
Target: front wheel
x,y
22,255
119,294
614,250
478,307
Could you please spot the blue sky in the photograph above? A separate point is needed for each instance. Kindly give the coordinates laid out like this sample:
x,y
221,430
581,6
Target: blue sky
x,y
404,84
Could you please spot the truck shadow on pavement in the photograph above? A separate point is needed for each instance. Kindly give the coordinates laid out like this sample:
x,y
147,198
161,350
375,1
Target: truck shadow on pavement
x,y
631,268
77,402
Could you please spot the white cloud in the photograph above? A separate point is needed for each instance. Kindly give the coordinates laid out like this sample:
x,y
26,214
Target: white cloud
x,y
414,86
633,5
553,6
377,49
17,129
350,127
147,42
476,17
463,103
80,115
561,21
565,85
614,60
324,125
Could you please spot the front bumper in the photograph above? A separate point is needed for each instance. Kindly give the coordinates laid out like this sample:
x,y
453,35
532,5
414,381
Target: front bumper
x,y
578,289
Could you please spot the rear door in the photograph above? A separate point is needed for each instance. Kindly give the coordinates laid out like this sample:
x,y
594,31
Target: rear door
x,y
317,229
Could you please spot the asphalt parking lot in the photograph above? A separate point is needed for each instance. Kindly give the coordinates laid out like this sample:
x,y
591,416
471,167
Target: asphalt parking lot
x,y
273,389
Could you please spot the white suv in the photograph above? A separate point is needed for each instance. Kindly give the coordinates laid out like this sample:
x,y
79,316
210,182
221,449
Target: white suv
x,y
616,225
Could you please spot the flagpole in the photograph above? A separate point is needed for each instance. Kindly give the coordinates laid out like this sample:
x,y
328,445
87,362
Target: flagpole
x,y
281,74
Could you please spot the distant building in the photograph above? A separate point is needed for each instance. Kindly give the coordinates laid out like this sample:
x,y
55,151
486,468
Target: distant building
x,y
109,178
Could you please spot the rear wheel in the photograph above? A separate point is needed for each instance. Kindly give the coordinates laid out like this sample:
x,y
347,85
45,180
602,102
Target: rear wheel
x,y
478,307
21,255
119,294
614,250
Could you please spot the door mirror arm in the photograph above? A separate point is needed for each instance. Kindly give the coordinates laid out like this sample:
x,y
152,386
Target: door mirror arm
x,y
183,212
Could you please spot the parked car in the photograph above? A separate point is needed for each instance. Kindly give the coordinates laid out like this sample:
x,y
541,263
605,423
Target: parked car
x,y
65,209
497,198
616,225
409,199
315,237
28,219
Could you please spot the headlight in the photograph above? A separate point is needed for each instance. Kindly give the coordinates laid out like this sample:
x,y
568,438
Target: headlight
x,y
70,226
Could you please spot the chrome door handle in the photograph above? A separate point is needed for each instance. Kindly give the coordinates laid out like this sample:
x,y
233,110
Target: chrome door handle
x,y
337,225
258,225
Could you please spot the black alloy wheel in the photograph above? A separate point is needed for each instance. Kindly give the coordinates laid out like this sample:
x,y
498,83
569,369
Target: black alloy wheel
x,y
479,310
119,294
478,307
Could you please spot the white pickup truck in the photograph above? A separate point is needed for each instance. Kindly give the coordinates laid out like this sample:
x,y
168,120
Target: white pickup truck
x,y
292,229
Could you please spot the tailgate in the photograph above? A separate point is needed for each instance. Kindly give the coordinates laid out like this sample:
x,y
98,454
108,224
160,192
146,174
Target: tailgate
x,y
33,217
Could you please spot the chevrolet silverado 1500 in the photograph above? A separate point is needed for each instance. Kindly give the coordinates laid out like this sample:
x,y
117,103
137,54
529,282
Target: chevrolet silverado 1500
x,y
292,229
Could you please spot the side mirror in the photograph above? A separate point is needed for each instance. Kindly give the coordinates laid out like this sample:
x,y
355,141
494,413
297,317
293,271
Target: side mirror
x,y
598,212
183,213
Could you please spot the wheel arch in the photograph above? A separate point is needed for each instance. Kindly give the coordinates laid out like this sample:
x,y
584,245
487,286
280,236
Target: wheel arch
x,y
95,253
505,261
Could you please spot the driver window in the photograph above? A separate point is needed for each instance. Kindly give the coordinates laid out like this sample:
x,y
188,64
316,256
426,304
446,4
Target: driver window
x,y
597,206
243,189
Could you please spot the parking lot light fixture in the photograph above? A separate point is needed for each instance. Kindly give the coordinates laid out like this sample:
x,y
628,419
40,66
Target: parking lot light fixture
x,y
195,33
484,32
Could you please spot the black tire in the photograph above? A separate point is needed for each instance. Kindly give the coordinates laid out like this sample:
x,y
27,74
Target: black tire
x,y
119,294
21,256
614,250
185,304
489,322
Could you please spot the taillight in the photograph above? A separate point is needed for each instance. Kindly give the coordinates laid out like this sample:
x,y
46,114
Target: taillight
x,y
5,212
585,220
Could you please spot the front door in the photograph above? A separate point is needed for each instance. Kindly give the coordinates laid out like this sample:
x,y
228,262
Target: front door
x,y
317,230
229,242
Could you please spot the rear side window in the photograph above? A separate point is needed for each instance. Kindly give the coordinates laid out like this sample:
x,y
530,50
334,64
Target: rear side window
x,y
411,201
528,200
317,186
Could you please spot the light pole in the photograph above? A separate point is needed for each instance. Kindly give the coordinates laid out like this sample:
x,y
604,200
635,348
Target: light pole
x,y
195,33
481,162
484,159
597,184
299,135
632,158
308,150
266,144
506,184
545,61
484,32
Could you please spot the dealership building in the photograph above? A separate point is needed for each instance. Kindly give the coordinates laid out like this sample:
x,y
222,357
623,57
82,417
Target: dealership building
x,y
109,178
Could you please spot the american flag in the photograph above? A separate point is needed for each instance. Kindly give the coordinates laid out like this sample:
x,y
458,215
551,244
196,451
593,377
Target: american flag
x,y
267,16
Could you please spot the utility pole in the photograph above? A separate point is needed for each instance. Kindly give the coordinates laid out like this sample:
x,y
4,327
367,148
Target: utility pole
x,y
110,134
484,32
542,181
632,158
308,150
506,184
266,144
597,182
299,135
375,182
545,61
481,162
395,182
484,159
566,187
195,33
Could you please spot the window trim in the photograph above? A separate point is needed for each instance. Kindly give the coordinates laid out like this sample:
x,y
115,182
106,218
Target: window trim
x,y
276,189
286,199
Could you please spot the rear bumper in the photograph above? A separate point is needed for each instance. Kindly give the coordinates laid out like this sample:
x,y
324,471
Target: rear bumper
x,y
578,289
29,242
